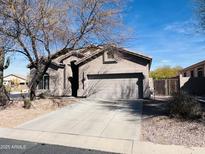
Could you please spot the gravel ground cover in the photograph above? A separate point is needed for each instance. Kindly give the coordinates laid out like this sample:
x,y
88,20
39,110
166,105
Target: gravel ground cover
x,y
158,127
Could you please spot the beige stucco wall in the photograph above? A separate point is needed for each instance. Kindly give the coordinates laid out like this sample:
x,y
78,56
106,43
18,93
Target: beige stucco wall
x,y
183,80
55,83
68,74
59,84
151,84
59,79
123,65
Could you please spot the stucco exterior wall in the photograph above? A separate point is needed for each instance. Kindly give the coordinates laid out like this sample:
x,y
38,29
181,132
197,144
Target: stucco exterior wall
x,y
60,77
59,84
183,80
68,74
151,84
55,82
123,65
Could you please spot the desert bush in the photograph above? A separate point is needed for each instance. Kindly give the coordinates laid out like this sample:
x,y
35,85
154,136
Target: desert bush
x,y
185,106
43,95
27,104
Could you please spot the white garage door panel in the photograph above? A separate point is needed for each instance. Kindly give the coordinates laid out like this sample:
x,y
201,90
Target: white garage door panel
x,y
114,88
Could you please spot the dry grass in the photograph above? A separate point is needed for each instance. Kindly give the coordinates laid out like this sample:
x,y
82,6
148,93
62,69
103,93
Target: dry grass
x,y
15,114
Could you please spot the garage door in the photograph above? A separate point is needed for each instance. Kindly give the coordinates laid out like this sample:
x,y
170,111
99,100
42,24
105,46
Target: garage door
x,y
115,86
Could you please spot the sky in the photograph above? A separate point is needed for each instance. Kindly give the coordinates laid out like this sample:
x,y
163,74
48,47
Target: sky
x,y
166,30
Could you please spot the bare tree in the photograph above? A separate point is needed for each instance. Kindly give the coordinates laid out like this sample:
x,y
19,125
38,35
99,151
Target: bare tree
x,y
40,28
4,64
200,9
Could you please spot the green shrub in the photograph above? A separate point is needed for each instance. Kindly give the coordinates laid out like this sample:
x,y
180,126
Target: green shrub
x,y
27,104
185,106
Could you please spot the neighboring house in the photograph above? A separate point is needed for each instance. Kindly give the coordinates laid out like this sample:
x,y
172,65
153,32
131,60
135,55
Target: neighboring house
x,y
195,70
192,79
98,72
15,82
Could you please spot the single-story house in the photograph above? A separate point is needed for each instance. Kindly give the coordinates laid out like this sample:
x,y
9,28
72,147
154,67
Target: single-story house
x,y
98,72
16,82
192,79
195,70
13,78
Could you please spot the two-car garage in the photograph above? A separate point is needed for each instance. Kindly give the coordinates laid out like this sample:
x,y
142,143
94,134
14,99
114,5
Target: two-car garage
x,y
126,76
115,86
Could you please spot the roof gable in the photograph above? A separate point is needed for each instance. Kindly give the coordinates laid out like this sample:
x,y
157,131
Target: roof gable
x,y
88,53
17,76
73,53
194,65
121,50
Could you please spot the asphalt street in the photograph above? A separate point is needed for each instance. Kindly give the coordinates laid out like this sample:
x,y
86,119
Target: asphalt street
x,y
10,146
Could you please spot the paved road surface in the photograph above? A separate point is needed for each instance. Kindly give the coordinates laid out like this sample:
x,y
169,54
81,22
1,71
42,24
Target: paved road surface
x,y
8,146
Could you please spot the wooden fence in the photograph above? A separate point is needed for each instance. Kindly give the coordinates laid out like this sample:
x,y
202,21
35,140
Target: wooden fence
x,y
166,87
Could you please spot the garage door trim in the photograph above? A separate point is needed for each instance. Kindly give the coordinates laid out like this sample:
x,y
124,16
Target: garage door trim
x,y
115,76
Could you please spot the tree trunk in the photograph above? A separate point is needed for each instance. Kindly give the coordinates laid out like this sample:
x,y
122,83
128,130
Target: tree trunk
x,y
1,78
1,88
3,94
33,92
1,67
37,77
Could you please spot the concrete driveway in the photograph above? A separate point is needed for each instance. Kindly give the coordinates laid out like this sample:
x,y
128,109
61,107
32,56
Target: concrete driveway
x,y
102,125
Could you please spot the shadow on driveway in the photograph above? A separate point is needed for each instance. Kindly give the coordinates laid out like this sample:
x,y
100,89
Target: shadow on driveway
x,y
148,108
133,107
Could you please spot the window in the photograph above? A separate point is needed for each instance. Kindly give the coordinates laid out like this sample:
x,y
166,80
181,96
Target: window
x,y
200,72
44,83
110,55
192,73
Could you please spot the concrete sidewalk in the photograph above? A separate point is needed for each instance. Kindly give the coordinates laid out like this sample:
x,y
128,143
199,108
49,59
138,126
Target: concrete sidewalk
x,y
78,141
95,143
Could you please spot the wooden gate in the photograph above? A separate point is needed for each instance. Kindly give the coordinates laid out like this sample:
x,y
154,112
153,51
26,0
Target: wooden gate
x,y
166,87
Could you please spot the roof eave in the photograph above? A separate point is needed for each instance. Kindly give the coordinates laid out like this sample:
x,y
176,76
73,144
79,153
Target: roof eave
x,y
194,65
120,49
